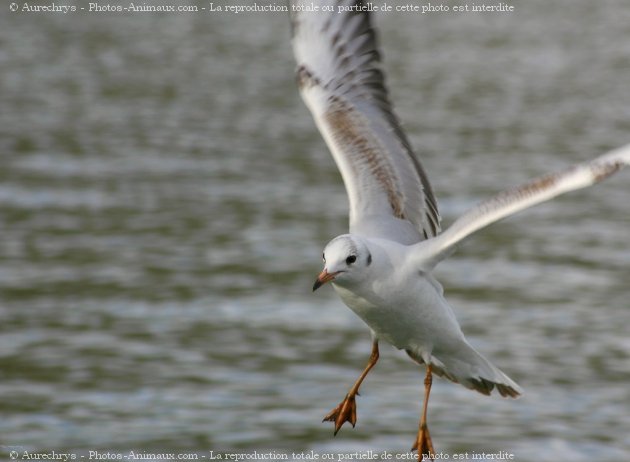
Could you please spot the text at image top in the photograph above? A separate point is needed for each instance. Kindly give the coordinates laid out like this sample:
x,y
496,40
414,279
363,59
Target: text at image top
x,y
406,8
182,7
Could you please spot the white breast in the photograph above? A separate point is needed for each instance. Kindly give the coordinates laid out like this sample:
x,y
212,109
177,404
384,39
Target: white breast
x,y
407,311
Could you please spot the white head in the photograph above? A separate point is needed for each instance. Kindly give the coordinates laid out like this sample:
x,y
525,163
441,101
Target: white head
x,y
345,259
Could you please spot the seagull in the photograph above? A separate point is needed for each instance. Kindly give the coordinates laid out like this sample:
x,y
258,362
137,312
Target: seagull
x,y
382,269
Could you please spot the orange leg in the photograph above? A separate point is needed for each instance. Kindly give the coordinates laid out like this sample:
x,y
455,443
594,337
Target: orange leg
x,y
423,443
346,411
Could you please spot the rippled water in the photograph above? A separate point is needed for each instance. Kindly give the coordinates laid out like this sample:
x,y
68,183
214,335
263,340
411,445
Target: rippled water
x,y
164,199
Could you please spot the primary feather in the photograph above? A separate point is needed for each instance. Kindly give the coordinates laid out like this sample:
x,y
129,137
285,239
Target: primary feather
x,y
514,200
341,82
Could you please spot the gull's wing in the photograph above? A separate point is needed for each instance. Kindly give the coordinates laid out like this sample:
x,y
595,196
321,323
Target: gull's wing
x,y
428,254
340,80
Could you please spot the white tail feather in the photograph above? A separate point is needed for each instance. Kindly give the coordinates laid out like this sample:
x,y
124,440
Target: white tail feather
x,y
471,369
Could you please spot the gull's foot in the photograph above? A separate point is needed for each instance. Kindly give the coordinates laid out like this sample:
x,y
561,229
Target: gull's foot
x,y
424,445
345,412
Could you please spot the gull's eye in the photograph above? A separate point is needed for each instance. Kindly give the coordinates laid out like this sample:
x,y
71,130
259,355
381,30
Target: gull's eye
x,y
351,259
324,257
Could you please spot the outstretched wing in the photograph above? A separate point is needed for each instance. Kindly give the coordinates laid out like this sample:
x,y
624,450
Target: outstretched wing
x,y
428,254
340,80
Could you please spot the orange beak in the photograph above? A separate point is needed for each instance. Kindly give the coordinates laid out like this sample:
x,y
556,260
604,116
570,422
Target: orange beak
x,y
323,278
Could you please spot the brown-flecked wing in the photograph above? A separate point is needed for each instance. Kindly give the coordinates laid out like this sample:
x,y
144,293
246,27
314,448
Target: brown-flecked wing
x,y
514,200
340,79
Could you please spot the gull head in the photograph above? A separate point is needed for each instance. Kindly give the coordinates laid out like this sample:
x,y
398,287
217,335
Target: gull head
x,y
346,258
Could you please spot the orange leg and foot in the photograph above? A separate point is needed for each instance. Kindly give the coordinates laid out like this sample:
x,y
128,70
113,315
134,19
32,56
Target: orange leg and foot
x,y
347,409
423,443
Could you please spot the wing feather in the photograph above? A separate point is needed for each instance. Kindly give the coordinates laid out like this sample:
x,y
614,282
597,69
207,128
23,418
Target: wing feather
x,y
514,200
341,82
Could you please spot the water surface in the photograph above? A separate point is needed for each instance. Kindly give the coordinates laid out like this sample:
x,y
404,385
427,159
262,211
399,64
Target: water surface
x,y
165,197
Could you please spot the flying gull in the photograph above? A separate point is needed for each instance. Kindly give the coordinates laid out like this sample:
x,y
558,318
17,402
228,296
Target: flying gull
x,y
382,269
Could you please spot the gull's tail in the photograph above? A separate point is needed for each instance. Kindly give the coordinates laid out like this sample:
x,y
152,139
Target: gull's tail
x,y
467,366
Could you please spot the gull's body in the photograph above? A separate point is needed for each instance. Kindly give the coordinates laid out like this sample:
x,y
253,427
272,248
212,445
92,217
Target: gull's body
x,y
383,269
417,319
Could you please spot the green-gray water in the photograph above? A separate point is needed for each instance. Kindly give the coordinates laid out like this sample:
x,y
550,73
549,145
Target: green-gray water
x,y
165,197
